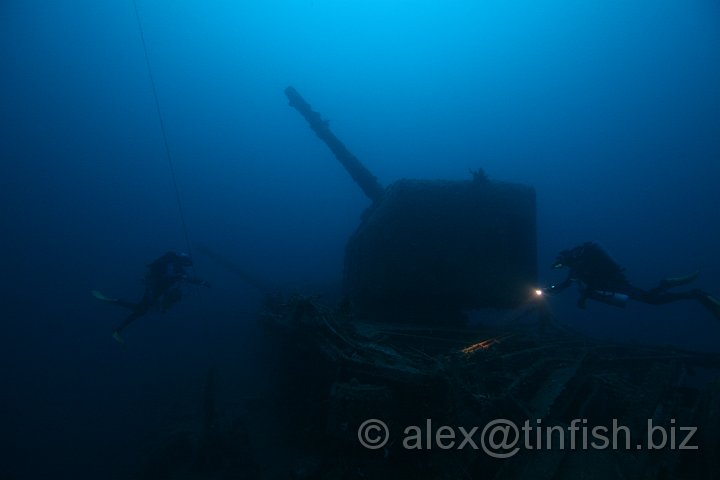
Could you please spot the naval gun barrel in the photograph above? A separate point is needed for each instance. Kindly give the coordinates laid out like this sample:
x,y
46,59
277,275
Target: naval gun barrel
x,y
359,173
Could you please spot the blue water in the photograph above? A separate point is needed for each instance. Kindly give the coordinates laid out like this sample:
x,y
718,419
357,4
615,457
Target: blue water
x,y
611,110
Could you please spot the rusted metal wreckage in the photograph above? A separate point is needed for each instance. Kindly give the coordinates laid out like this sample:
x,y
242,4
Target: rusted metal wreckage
x,y
397,350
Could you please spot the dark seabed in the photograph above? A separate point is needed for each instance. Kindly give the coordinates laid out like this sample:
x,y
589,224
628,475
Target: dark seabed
x,y
609,110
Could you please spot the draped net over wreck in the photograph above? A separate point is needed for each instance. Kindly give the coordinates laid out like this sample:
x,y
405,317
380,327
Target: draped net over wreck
x,y
341,372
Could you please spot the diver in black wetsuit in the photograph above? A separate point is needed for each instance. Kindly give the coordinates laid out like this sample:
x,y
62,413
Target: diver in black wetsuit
x,y
600,278
162,288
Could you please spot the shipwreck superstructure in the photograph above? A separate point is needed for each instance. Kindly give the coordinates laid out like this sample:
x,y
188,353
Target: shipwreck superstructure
x,y
396,350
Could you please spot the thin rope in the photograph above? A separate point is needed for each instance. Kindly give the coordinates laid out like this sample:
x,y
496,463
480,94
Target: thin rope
x,y
171,166
164,133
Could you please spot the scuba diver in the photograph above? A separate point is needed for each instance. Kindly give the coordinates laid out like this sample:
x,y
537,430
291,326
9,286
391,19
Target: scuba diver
x,y
600,278
162,288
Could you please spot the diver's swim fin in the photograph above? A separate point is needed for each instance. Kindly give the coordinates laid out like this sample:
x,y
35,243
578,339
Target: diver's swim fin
x,y
712,304
673,282
115,301
97,294
118,337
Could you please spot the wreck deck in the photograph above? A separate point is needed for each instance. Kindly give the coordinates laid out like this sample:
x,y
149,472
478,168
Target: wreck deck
x,y
535,372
